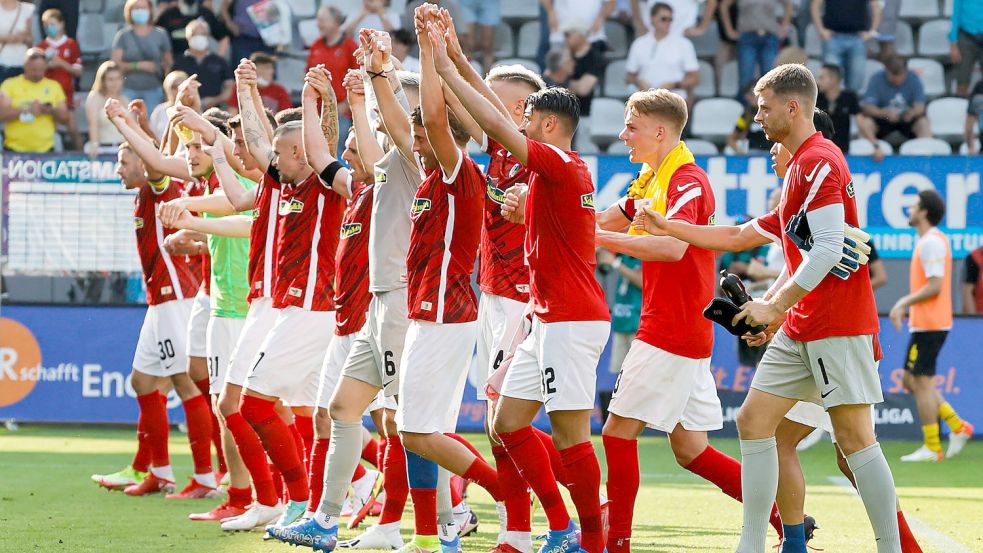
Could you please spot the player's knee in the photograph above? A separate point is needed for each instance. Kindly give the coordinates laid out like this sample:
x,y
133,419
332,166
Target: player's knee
x,y
228,404
322,422
414,442
339,410
745,423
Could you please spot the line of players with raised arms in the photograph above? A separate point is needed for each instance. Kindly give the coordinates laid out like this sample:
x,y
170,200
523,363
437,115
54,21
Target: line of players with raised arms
x,y
332,291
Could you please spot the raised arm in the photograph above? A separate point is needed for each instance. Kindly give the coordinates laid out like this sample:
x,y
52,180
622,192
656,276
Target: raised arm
x,y
394,118
329,114
154,159
319,155
258,142
210,134
433,106
369,150
464,67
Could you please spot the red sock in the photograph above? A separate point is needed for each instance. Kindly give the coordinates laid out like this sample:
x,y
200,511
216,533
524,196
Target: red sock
x,y
908,542
395,483
371,452
281,492
532,461
319,457
424,511
254,457
515,492
199,421
456,496
483,474
556,464
276,438
466,444
203,387
154,413
240,497
725,472
142,458
359,472
581,466
380,452
305,426
622,486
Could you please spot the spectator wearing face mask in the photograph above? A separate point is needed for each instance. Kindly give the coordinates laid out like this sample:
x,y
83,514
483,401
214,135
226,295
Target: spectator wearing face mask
x,y
64,63
275,97
175,20
213,71
143,51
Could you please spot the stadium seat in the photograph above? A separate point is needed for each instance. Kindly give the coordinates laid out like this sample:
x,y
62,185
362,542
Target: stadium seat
x,y
519,9
933,38
114,10
707,45
728,85
607,119
932,74
814,44
303,9
863,147
713,118
701,147
90,6
947,117
904,39
925,147
919,9
290,73
307,30
528,39
614,79
618,148
504,42
871,67
92,38
81,121
708,81
946,8
964,147
617,35
530,64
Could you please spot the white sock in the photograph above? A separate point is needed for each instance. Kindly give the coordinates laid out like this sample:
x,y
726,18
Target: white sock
x,y
206,479
164,473
519,540
325,521
875,484
391,528
461,508
759,480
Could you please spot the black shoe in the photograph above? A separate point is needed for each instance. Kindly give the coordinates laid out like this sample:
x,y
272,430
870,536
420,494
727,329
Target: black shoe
x,y
809,527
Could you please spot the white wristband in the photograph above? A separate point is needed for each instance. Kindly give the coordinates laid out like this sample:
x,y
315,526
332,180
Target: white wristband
x,y
388,66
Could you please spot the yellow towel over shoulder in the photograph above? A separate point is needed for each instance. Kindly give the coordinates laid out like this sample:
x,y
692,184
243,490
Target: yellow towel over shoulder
x,y
652,184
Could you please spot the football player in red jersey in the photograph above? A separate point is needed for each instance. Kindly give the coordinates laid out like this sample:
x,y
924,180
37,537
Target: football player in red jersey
x,y
816,353
556,364
665,382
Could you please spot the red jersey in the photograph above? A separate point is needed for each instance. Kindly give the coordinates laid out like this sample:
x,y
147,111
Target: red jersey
x,y
262,237
274,97
675,293
446,216
203,187
337,58
306,241
560,222
167,278
351,296
68,51
502,267
818,176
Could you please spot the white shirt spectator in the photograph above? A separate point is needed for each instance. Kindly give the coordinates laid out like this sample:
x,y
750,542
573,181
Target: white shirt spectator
x,y
685,14
15,21
570,12
662,61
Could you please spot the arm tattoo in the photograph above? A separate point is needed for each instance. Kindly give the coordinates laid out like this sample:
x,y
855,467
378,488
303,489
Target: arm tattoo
x,y
329,121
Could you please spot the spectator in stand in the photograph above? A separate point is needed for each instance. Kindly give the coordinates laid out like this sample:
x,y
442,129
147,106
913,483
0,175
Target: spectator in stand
x,y
659,59
686,16
214,73
562,14
375,14
972,288
31,104
403,43
973,121
757,33
894,102
457,14
482,17
841,104
275,97
748,135
245,36
64,63
627,308
886,34
16,36
844,26
336,52
175,21
966,40
559,68
143,51
588,67
69,11
158,117
104,137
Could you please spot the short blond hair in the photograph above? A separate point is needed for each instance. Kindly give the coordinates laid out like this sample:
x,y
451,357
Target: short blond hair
x,y
790,79
659,102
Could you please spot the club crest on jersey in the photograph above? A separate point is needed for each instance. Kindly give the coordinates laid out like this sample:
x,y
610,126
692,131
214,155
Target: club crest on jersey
x,y
419,206
495,193
713,219
295,292
351,229
515,169
138,223
380,177
587,200
291,206
850,192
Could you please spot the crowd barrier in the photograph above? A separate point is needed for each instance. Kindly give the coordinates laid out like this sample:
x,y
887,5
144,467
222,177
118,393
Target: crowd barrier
x,y
72,365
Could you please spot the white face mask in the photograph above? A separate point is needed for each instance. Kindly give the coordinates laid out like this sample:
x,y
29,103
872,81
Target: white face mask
x,y
198,42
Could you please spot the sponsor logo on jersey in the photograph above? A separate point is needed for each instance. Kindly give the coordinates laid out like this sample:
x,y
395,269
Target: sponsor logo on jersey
x,y
291,206
166,290
380,177
850,192
515,169
713,219
587,200
295,292
495,193
426,306
138,223
522,288
419,206
351,229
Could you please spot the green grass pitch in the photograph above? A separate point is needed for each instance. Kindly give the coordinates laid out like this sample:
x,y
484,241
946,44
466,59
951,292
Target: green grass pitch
x,y
48,503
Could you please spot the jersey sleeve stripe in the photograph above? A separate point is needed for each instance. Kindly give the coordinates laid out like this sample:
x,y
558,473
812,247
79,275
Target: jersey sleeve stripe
x,y
271,221
763,232
817,183
312,267
686,198
449,179
563,155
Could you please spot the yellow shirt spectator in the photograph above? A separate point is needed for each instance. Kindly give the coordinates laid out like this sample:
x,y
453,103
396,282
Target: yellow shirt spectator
x,y
31,132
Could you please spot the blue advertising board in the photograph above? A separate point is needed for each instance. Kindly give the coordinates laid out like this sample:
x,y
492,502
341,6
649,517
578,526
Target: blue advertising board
x,y
72,364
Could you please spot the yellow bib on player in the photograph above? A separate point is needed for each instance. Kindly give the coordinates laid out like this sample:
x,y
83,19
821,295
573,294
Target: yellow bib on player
x,y
652,184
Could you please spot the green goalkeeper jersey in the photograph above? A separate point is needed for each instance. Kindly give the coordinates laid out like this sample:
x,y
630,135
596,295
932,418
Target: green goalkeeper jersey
x,y
230,276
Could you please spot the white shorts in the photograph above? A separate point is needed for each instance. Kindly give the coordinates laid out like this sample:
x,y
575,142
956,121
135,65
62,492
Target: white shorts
x,y
663,389
557,364
376,355
435,369
259,323
334,360
289,360
161,349
499,321
198,325
222,336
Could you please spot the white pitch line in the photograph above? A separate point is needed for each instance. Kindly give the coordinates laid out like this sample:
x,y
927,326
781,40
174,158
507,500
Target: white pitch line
x,y
926,532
